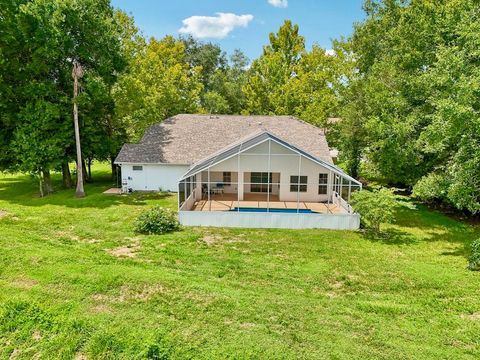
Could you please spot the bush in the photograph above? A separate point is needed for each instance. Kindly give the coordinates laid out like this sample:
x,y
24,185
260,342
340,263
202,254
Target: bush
x,y
431,188
474,260
375,207
157,220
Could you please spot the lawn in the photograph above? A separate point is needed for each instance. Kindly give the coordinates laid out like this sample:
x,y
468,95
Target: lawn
x,y
77,282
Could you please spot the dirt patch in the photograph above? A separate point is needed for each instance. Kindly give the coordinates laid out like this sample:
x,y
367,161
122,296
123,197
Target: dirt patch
x,y
67,235
24,283
143,294
37,335
472,317
15,353
3,213
247,325
130,250
101,309
331,295
128,293
92,241
337,285
80,356
211,239
124,251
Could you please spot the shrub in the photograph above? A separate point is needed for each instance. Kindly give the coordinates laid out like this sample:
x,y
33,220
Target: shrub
x,y
157,220
375,207
431,187
474,260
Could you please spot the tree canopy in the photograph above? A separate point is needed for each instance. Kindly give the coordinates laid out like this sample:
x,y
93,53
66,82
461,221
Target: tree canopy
x,y
404,88
40,40
410,111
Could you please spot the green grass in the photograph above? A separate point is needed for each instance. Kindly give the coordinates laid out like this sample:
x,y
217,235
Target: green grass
x,y
218,293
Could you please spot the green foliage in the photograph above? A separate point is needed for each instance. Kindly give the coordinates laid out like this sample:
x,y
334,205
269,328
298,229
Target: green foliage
x,y
474,259
410,108
288,80
158,84
375,207
432,187
39,42
215,103
157,220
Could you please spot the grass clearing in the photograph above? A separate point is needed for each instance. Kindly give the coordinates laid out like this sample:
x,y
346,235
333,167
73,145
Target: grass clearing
x,y
77,282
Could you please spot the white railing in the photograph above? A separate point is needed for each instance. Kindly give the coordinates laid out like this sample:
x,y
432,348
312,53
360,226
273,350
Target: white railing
x,y
341,203
189,202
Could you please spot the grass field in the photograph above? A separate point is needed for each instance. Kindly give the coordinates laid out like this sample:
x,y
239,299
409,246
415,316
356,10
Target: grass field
x,y
76,282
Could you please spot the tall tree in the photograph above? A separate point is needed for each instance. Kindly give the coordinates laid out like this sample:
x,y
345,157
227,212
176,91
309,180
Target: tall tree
x,y
159,83
289,80
452,134
50,35
224,94
416,115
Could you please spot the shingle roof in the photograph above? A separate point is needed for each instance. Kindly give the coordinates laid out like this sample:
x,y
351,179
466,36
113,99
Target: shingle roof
x,y
186,139
253,140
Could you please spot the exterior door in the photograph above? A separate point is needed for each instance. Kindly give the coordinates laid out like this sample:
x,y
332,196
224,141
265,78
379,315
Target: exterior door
x,y
260,182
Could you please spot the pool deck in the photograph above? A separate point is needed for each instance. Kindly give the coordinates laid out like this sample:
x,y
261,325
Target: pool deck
x,y
217,203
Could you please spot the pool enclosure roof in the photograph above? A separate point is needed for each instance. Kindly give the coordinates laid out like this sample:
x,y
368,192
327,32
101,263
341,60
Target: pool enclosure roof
x,y
252,141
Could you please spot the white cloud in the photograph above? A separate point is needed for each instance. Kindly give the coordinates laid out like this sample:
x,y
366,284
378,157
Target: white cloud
x,y
279,3
218,26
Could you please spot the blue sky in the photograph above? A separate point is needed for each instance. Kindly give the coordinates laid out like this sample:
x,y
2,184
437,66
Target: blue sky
x,y
246,23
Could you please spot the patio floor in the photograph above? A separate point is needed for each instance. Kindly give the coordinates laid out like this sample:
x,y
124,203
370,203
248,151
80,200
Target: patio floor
x,y
229,201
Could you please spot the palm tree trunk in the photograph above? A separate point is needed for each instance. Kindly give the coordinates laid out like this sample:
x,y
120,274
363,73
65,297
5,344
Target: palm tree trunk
x,y
76,73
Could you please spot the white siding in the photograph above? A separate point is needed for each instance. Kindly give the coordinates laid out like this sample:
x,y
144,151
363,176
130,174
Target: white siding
x,y
153,177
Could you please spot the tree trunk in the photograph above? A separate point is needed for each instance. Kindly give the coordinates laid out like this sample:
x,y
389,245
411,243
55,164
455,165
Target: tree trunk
x,y
77,73
47,182
114,168
66,176
89,162
85,172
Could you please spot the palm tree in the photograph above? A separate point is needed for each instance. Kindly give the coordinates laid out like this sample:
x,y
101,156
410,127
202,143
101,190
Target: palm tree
x,y
77,73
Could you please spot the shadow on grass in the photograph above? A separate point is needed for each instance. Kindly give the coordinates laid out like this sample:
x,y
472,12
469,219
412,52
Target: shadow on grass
x,y
23,190
390,237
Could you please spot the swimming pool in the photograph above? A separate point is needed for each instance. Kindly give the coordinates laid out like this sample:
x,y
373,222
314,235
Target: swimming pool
x,y
273,210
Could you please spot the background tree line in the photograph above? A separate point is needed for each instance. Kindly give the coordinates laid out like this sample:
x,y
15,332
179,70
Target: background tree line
x,y
411,108
405,85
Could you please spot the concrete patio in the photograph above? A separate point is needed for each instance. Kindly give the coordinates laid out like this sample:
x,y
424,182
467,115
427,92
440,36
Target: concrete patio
x,y
227,202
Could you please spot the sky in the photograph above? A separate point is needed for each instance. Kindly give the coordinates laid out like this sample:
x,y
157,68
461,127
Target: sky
x,y
244,24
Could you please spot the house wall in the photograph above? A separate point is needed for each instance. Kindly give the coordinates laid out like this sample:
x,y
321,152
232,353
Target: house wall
x,y
217,177
153,177
282,161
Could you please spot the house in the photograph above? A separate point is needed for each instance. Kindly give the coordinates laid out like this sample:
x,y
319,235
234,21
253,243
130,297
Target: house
x,y
242,171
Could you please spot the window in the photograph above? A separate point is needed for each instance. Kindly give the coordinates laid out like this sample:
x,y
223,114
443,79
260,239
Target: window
x,y
137,167
296,185
227,178
322,184
259,182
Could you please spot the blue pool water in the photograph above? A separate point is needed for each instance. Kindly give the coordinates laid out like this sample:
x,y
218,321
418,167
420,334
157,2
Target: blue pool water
x,y
262,210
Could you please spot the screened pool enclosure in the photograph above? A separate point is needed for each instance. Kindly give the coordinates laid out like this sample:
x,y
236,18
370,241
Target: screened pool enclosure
x,y
263,181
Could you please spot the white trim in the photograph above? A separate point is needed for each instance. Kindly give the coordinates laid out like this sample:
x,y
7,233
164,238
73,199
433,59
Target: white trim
x,y
224,159
323,163
149,163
